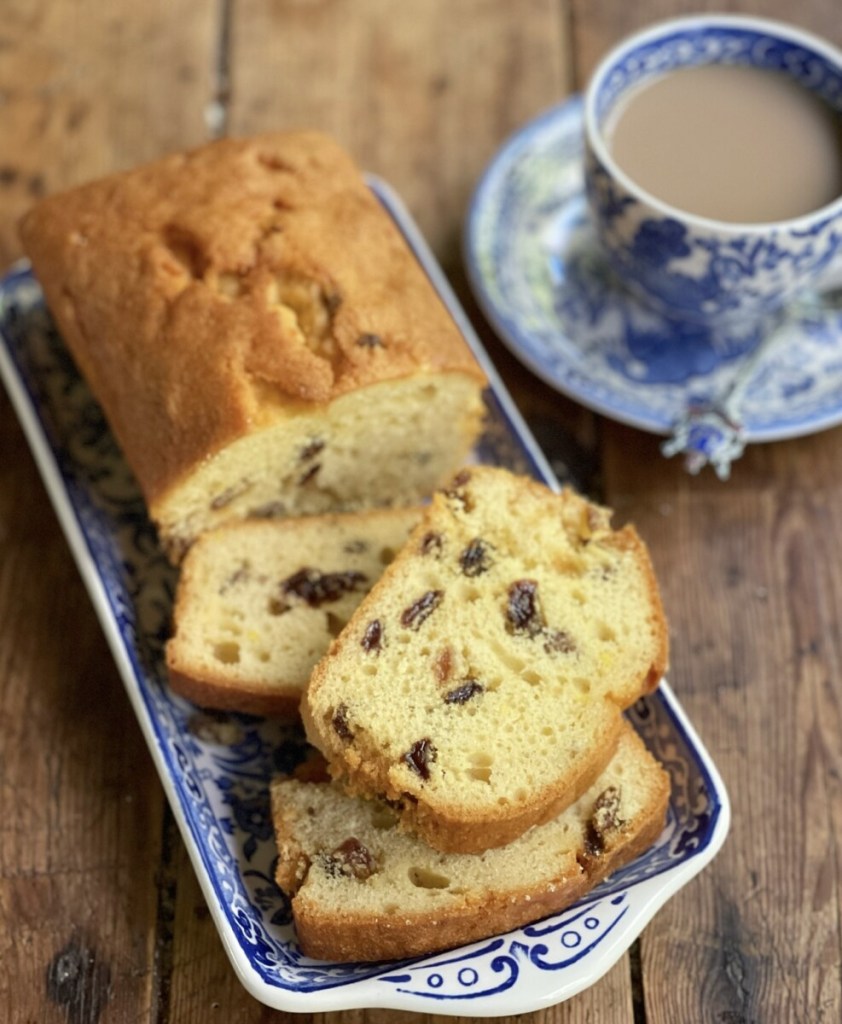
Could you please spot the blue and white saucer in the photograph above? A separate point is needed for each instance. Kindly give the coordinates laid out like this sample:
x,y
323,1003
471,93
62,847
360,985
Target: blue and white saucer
x,y
536,269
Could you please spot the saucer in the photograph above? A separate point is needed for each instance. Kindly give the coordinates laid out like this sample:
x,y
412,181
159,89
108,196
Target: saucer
x,y
538,274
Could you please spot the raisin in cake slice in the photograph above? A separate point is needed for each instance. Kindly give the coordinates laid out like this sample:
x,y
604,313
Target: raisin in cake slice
x,y
363,890
480,684
258,602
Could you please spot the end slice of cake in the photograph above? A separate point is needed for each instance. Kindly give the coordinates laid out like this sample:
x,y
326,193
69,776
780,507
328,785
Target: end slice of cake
x,y
363,890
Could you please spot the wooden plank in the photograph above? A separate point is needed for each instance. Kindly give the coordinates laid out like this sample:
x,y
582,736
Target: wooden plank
x,y
85,88
88,87
80,838
422,95
754,598
749,572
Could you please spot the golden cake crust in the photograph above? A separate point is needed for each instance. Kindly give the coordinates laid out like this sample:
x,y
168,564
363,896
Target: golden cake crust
x,y
209,293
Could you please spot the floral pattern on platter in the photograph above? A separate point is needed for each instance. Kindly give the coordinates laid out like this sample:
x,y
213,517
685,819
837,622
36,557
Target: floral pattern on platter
x,y
698,271
541,277
216,766
496,966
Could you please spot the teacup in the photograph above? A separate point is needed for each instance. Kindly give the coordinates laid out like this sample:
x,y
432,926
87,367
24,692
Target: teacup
x,y
691,266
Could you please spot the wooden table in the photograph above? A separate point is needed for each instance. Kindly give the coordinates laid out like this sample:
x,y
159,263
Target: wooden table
x,y
101,918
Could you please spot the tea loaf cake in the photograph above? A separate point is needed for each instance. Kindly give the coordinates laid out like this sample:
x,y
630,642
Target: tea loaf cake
x,y
363,890
479,685
257,603
258,333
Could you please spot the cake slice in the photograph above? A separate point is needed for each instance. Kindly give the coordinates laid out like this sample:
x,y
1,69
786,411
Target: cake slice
x,y
363,890
257,603
479,685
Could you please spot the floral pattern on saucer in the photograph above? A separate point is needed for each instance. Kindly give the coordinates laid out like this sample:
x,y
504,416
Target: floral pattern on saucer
x,y
540,277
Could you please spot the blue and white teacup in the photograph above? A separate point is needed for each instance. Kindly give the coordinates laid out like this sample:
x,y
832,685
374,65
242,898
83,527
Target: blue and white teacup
x,y
688,266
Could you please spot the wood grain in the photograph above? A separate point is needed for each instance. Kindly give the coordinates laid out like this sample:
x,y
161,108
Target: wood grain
x,y
748,571
85,88
754,609
422,96
77,902
101,915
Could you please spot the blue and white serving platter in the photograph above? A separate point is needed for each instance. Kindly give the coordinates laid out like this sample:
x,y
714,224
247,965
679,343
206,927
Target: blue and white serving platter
x,y
535,266
215,768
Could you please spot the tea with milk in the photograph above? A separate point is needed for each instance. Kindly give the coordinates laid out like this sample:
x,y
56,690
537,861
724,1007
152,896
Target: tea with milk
x,y
731,143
